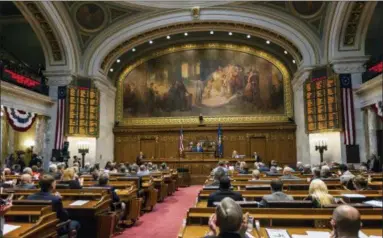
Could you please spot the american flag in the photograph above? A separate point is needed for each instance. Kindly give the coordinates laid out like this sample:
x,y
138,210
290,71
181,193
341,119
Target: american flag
x,y
181,145
348,109
59,139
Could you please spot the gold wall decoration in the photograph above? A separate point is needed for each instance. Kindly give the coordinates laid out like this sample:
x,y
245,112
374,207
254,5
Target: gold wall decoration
x,y
83,113
266,118
322,104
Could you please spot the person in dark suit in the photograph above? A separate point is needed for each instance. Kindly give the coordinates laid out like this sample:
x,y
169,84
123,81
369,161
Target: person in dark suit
x,y
199,148
218,175
26,182
48,184
276,193
223,192
140,158
256,157
35,160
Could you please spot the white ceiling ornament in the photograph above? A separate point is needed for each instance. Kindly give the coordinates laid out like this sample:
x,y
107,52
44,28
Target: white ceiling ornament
x,y
178,4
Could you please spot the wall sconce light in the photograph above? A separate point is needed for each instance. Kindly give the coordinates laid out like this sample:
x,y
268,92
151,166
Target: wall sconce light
x,y
29,144
83,149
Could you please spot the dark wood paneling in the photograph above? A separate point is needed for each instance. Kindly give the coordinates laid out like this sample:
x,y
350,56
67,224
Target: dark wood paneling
x,y
277,139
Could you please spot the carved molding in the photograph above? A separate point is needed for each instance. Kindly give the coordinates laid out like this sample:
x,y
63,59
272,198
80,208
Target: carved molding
x,y
349,65
198,26
351,26
300,77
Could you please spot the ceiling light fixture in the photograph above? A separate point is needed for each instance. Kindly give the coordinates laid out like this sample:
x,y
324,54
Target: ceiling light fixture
x,y
248,36
150,42
134,49
168,37
267,42
111,70
211,32
230,33
293,61
285,52
118,60
186,34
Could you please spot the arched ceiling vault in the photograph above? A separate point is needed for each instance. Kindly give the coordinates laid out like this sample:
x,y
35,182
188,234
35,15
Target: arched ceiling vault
x,y
59,46
279,28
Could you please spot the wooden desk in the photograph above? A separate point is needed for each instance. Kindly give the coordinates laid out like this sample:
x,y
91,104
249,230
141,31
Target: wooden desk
x,y
192,231
42,223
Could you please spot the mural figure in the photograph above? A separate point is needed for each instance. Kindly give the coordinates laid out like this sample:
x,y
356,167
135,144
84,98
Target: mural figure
x,y
207,81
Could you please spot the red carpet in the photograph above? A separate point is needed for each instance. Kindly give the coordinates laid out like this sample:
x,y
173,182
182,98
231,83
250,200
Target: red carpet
x,y
166,218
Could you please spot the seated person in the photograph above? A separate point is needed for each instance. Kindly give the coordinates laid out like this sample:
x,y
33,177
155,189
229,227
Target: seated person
x,y
306,169
345,174
360,183
256,175
316,173
318,193
134,170
123,170
154,169
243,169
229,219
325,172
224,191
103,181
86,168
53,171
262,167
273,171
287,174
26,182
143,171
35,172
150,166
164,167
219,173
345,222
47,185
108,165
71,179
26,170
277,193
221,164
299,166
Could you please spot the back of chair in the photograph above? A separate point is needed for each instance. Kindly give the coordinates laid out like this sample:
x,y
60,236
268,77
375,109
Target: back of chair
x,y
32,202
258,187
289,204
136,179
62,186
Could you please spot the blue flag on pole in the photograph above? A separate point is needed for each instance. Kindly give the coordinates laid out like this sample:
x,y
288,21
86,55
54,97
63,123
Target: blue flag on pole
x,y
220,143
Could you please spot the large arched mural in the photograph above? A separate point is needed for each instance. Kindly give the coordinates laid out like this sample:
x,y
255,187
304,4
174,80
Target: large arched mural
x,y
217,81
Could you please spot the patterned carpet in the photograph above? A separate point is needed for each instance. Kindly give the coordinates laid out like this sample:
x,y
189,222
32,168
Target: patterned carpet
x,y
166,218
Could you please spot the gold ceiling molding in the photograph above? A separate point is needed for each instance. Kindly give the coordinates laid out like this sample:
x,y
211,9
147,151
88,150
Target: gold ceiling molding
x,y
208,119
353,22
199,26
46,27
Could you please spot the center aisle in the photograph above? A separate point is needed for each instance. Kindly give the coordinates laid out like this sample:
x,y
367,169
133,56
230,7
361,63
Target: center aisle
x,y
166,218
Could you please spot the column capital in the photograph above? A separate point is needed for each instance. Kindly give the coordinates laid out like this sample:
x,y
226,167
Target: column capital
x,y
300,76
59,78
350,64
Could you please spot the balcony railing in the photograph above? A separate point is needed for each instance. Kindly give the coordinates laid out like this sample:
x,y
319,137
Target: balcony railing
x,y
17,72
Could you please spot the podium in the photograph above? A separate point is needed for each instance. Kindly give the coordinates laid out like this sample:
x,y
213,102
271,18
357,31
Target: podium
x,y
199,155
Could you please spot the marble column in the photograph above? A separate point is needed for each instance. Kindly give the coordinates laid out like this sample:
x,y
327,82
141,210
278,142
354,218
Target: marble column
x,y
56,79
302,138
355,67
372,140
105,141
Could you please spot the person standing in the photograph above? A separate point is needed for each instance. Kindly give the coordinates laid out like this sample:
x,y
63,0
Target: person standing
x,y
140,158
